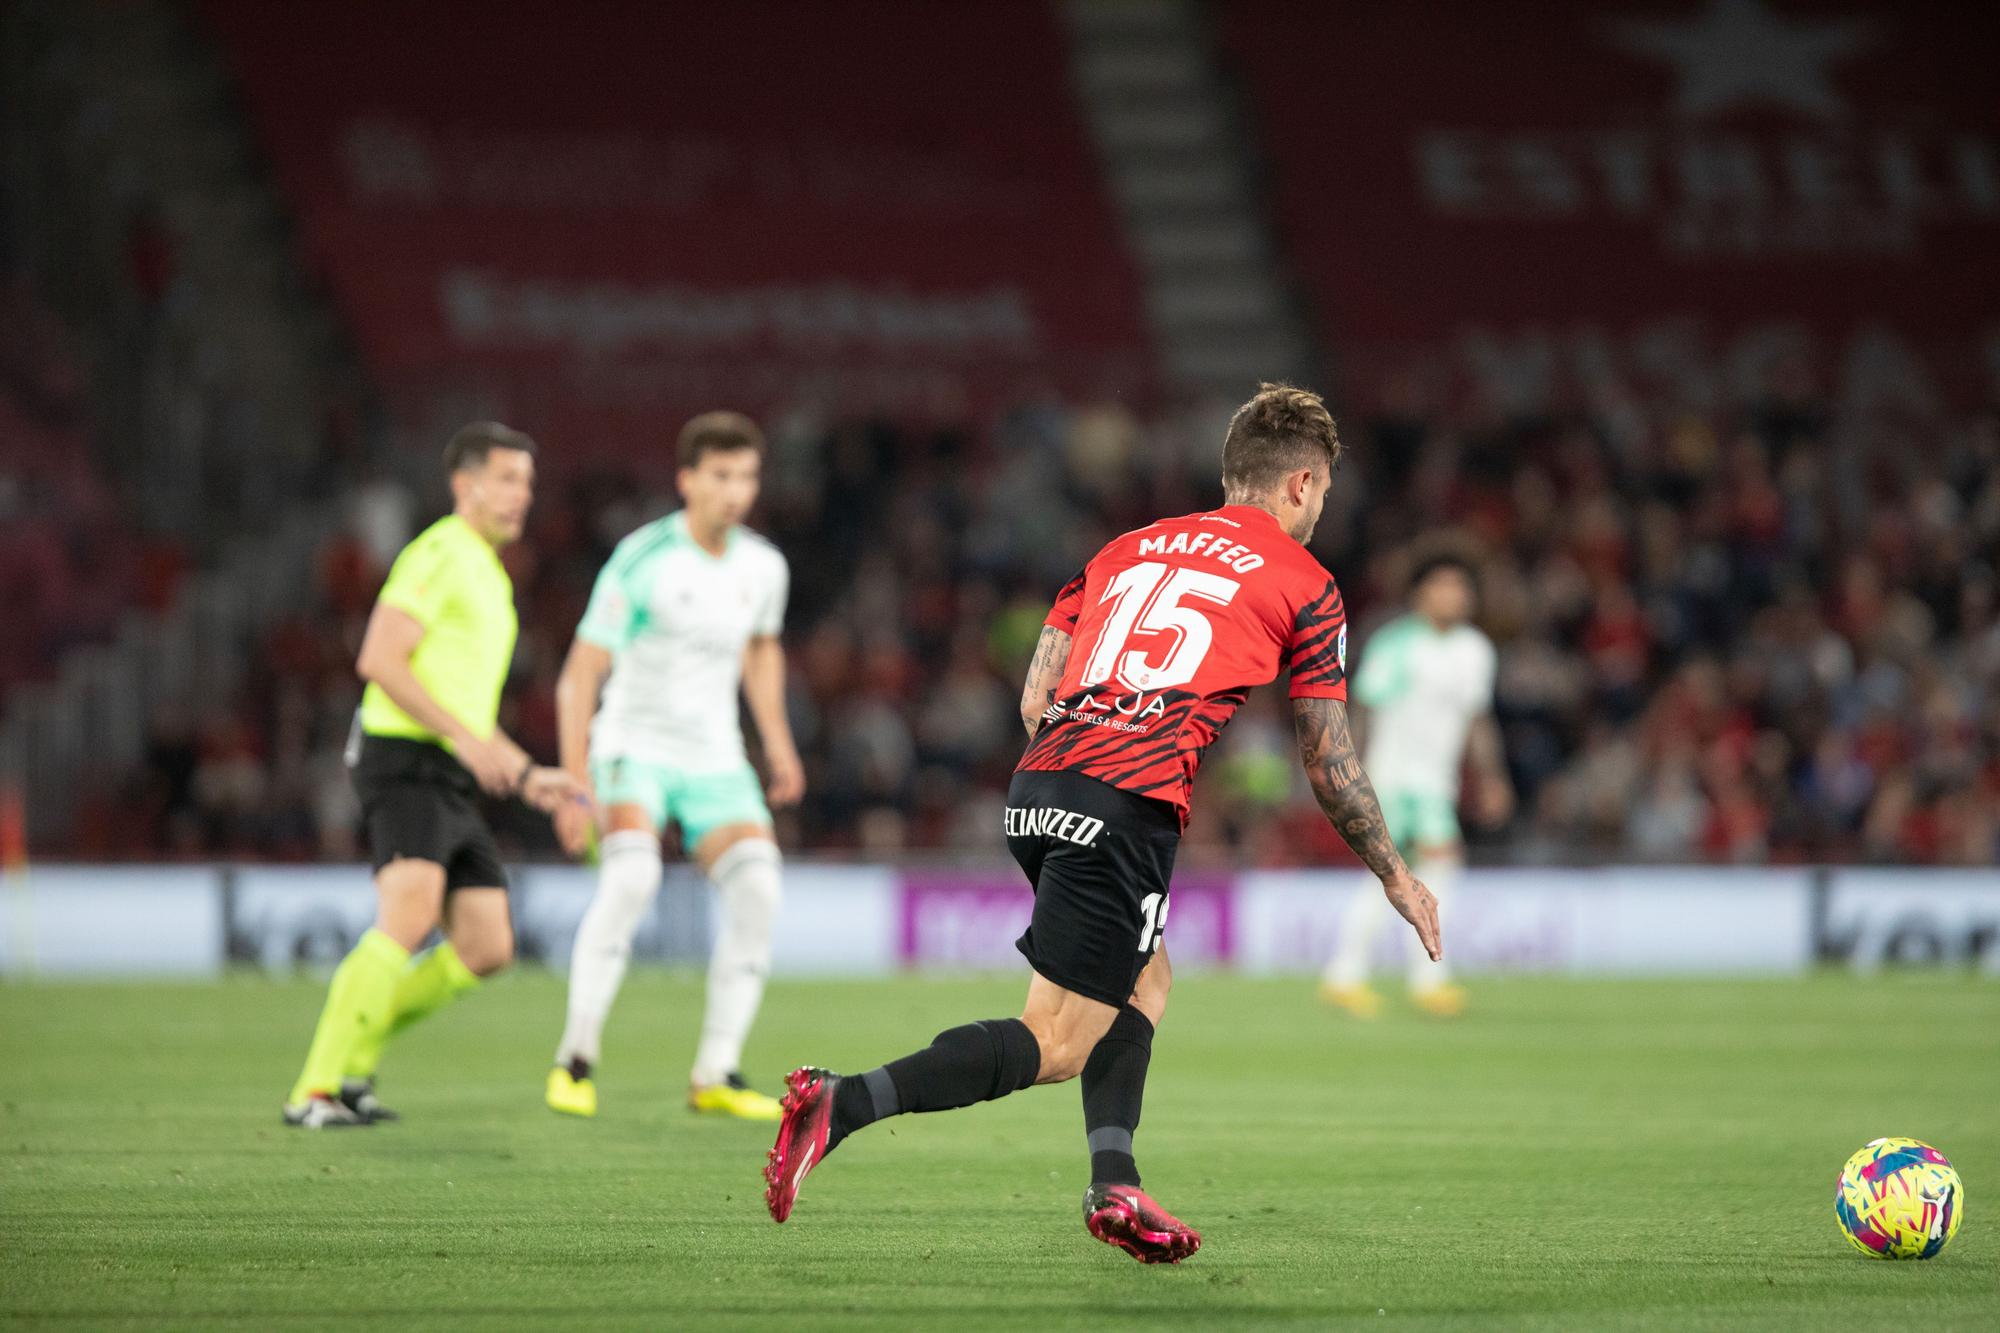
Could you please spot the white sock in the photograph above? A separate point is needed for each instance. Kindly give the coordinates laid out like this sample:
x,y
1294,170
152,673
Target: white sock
x,y
746,882
1359,924
1440,874
628,879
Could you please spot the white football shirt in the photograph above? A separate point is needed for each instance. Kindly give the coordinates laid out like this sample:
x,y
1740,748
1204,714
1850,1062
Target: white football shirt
x,y
676,620
1423,689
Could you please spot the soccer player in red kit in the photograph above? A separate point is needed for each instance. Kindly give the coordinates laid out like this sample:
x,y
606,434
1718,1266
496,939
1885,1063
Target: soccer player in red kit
x,y
1148,652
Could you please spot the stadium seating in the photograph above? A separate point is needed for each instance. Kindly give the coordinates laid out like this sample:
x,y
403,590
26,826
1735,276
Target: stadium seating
x,y
1629,202
1746,608
69,565
600,234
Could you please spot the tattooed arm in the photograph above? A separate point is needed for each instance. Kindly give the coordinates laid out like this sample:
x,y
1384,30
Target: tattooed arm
x,y
1045,674
1327,750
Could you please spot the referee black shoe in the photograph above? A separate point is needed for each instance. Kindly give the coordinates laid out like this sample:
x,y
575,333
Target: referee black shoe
x,y
358,1096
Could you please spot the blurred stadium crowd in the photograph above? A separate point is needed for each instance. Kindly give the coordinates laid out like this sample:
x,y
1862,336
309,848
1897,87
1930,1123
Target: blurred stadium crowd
x,y
70,560
1762,631
1754,624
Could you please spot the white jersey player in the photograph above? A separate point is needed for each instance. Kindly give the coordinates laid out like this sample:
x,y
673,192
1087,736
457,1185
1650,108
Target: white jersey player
x,y
1426,681
686,612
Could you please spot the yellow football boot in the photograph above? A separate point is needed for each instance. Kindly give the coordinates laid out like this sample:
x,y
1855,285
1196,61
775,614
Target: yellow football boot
x,y
571,1095
1446,1001
733,1097
1360,1000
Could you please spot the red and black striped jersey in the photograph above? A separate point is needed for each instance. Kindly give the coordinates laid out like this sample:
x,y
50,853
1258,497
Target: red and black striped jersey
x,y
1172,626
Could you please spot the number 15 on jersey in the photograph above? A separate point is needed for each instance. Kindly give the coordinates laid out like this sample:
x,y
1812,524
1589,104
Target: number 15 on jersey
x,y
1153,598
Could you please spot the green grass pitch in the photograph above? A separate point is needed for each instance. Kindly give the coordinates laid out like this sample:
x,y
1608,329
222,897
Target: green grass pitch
x,y
1571,1155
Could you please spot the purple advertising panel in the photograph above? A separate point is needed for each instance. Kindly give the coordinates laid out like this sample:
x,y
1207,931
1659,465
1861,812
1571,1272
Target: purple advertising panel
x,y
971,918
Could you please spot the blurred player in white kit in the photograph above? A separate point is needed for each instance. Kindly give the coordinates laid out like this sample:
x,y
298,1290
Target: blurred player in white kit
x,y
685,614
1426,682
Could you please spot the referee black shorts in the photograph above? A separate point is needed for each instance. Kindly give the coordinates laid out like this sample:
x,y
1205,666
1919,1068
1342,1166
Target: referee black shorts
x,y
418,802
1101,860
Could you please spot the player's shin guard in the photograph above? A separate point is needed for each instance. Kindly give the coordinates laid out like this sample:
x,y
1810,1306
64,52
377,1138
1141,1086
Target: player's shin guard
x,y
980,1062
1440,872
746,881
427,985
357,1004
628,879
1114,1088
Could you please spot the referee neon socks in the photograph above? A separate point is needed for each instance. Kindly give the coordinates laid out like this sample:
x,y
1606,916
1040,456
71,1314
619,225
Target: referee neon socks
x,y
427,985
979,1062
357,1004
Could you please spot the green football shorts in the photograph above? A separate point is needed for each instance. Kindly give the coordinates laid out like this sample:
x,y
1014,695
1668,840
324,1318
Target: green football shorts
x,y
698,803
1416,820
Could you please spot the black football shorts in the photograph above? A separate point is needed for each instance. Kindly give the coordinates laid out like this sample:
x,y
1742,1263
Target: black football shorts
x,y
1101,860
417,801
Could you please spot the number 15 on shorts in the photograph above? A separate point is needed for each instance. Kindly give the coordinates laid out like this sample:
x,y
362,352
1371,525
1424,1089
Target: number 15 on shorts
x,y
1154,908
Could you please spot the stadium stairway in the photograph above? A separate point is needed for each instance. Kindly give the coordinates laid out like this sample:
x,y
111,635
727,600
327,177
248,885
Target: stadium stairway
x,y
213,393
1181,167
210,400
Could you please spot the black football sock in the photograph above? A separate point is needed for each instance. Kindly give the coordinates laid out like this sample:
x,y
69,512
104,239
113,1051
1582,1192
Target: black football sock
x,y
1114,1086
979,1062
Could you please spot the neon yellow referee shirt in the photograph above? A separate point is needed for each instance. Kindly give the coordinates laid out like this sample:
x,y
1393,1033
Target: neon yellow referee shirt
x,y
451,581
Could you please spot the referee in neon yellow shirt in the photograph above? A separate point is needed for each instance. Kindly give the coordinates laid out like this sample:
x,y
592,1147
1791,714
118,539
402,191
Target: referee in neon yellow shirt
x,y
426,742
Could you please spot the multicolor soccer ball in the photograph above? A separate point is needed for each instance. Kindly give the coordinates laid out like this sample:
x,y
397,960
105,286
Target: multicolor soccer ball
x,y
1899,1199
